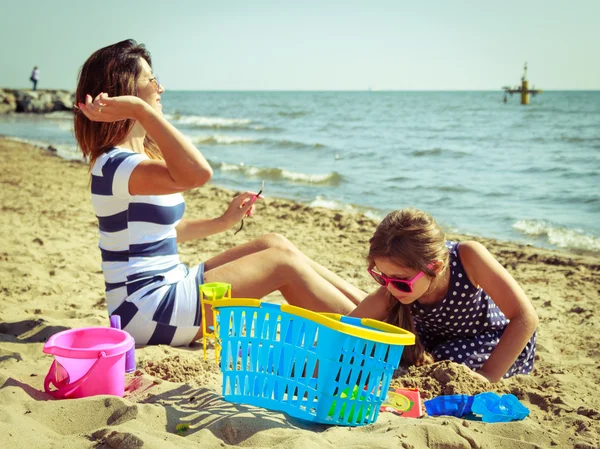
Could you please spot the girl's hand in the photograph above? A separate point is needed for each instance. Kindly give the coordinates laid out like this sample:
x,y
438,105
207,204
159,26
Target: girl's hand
x,y
480,376
111,109
241,206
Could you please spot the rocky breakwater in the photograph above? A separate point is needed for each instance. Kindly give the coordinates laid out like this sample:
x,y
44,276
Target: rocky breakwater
x,y
39,101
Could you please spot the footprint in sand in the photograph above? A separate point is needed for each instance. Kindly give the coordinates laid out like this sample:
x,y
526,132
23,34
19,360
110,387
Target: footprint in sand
x,y
122,415
117,440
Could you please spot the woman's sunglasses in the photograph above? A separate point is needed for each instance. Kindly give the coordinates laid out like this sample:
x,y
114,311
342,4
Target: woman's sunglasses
x,y
404,285
155,81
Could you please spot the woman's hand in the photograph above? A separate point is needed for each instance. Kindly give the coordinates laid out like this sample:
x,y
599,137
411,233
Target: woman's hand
x,y
111,109
241,206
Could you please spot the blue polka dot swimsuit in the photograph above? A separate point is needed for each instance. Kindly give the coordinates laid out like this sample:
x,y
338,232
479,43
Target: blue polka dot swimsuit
x,y
466,325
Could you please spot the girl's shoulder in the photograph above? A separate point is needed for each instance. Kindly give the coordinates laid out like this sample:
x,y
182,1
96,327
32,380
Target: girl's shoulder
x,y
470,249
472,254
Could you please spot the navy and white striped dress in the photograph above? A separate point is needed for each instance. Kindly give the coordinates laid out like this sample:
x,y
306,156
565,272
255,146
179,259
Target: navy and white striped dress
x,y
466,325
146,284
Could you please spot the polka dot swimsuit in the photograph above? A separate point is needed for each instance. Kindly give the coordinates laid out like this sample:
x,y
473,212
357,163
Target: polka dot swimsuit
x,y
466,325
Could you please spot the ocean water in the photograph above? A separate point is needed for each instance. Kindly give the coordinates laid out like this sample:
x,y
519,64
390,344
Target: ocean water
x,y
529,174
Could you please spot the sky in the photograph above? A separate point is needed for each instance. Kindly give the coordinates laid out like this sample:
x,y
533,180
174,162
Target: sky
x,y
312,45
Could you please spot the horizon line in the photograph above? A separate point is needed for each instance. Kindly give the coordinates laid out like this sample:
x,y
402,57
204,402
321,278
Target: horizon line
x,y
327,90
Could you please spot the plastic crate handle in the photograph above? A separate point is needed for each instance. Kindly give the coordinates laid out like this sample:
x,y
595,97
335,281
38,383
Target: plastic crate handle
x,y
351,320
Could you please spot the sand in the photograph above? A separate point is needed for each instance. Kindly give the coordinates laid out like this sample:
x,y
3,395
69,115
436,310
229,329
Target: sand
x,y
50,280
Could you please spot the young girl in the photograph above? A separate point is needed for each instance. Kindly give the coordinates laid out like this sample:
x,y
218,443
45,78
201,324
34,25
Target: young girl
x,y
442,291
139,164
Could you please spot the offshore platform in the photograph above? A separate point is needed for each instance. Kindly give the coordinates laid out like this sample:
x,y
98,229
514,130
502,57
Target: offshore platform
x,y
523,89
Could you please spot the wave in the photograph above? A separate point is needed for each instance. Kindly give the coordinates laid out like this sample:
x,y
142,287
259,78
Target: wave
x,y
222,140
399,179
437,152
544,170
564,138
441,188
209,122
292,114
202,122
588,197
68,152
61,122
241,140
319,201
454,189
558,235
59,115
580,174
279,174
573,139
497,194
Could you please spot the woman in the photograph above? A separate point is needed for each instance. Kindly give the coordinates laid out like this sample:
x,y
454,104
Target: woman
x,y
139,165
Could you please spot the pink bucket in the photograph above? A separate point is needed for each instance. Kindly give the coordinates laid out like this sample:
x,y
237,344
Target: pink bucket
x,y
87,362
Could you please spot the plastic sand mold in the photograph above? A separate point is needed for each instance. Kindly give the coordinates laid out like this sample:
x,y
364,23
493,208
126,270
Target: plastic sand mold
x,y
494,408
490,406
209,294
404,402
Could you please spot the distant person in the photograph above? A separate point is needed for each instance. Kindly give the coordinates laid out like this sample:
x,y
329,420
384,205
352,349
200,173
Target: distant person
x,y
460,302
34,77
139,165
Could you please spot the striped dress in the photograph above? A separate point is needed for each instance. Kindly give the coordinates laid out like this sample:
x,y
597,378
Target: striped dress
x,y
155,294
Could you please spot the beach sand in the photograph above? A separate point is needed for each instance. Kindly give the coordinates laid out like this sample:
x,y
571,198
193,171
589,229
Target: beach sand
x,y
50,280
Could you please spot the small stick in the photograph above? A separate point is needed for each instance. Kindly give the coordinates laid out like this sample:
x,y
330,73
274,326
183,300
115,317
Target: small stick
x,y
253,200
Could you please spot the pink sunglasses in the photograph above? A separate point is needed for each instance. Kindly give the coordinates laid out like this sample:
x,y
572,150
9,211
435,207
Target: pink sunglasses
x,y
404,285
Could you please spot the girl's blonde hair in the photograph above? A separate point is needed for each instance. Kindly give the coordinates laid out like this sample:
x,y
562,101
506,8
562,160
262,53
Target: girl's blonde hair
x,y
410,238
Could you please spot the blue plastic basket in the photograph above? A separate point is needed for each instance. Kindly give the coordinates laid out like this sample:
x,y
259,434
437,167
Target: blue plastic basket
x,y
324,368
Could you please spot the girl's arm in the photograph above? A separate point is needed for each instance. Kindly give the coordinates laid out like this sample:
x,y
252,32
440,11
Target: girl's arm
x,y
374,306
486,272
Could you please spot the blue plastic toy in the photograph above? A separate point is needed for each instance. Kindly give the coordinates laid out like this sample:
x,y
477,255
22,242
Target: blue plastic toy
x,y
452,405
492,407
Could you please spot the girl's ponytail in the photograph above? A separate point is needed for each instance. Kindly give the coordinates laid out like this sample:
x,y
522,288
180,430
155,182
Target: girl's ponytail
x,y
399,315
409,238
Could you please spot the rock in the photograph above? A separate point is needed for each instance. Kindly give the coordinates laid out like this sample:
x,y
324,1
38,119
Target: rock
x,y
8,102
6,108
40,102
63,101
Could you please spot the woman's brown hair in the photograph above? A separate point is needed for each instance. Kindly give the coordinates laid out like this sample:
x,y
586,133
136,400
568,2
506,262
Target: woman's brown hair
x,y
114,70
410,238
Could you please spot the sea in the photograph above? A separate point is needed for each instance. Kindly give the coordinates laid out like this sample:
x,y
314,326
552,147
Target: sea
x,y
528,174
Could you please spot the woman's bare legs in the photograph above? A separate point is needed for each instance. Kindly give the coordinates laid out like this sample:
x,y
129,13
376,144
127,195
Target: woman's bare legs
x,y
272,263
354,294
260,273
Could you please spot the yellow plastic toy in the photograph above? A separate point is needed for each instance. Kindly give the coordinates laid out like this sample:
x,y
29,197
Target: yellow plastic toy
x,y
209,294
